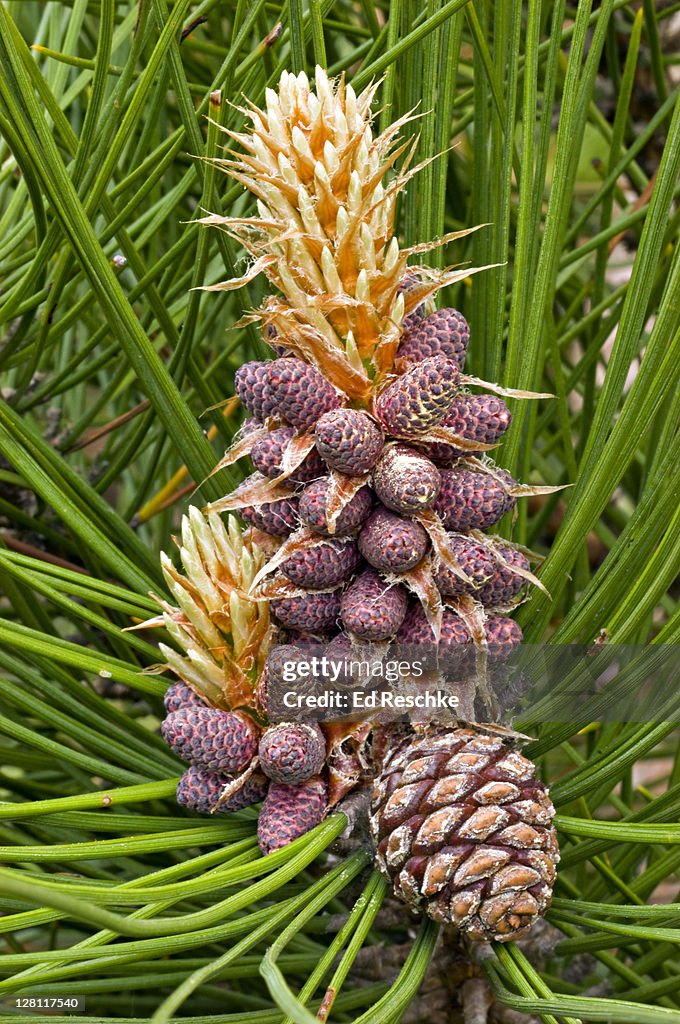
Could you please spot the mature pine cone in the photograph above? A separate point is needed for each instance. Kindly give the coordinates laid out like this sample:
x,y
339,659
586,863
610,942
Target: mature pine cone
x,y
463,830
443,333
349,440
299,393
405,480
420,398
289,812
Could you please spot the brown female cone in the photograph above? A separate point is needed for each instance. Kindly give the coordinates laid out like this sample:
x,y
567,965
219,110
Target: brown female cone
x,y
463,831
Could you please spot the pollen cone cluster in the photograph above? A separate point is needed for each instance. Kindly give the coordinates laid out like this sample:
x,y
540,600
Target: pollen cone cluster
x,y
372,484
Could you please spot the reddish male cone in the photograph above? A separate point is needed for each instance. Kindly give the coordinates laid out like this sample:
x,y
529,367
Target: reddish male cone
x,y
474,560
482,418
372,609
289,812
472,499
179,695
503,635
292,752
313,510
415,629
325,565
314,613
443,333
252,387
219,741
505,584
391,543
276,517
267,457
405,480
299,393
419,399
348,440
200,790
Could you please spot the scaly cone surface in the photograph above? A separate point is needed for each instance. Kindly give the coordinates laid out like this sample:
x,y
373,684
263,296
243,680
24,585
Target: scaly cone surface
x,y
373,483
463,829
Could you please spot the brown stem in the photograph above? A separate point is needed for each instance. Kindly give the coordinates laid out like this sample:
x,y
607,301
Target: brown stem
x,y
100,432
27,549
